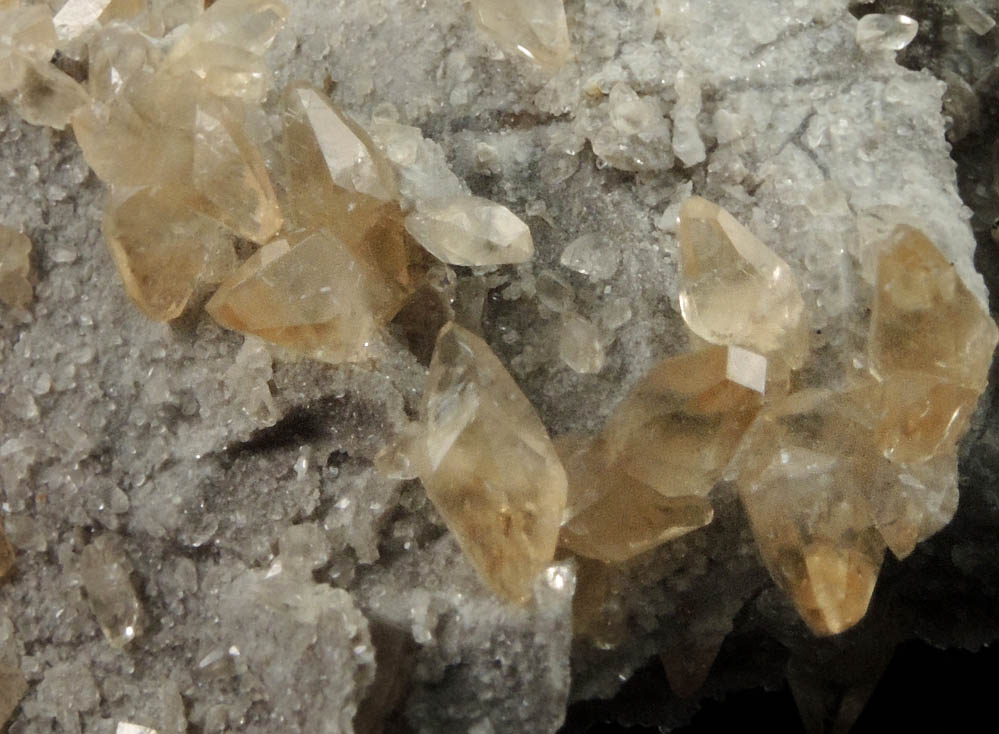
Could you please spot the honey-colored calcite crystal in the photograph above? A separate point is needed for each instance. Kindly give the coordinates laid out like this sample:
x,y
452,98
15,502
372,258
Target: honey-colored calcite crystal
x,y
535,28
804,471
13,686
28,38
6,558
47,96
160,247
15,265
468,230
489,466
678,428
931,345
613,517
734,289
308,293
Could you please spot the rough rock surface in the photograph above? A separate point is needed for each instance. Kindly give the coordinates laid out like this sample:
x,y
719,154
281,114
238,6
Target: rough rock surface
x,y
199,451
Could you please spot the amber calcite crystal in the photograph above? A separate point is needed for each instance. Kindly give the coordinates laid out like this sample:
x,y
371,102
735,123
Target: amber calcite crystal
x,y
6,557
489,466
678,428
535,28
15,264
931,345
309,293
468,230
160,246
734,289
613,517
804,471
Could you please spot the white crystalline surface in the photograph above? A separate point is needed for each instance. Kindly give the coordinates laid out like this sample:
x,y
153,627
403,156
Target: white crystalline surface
x,y
199,459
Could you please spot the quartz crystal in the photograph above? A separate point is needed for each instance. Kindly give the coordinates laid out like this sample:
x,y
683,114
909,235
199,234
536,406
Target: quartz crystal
x,y
105,572
805,470
488,465
734,289
677,429
614,517
15,249
931,345
467,230
878,32
535,28
308,292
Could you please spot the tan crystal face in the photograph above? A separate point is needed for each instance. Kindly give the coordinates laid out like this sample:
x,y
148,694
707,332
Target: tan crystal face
x,y
15,251
467,230
615,517
159,245
308,293
805,469
491,469
535,28
680,425
925,319
734,289
6,555
597,613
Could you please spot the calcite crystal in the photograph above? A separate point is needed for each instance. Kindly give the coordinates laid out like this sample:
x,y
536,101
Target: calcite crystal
x,y
105,571
468,230
15,265
309,293
6,555
804,471
612,516
535,28
931,345
13,686
880,32
678,428
489,466
734,289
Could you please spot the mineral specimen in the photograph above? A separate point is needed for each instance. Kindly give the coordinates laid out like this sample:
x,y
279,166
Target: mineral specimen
x,y
535,28
467,230
488,465
105,571
15,248
678,428
734,289
877,32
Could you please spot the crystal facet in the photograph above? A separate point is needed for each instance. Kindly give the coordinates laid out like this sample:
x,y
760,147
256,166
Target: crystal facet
x,y
489,466
678,428
467,230
878,32
15,249
535,28
105,574
734,289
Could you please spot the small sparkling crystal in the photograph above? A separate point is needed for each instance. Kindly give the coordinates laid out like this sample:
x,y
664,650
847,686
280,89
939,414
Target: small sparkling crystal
x,y
535,28
467,230
878,32
579,345
678,428
105,573
593,256
15,265
488,465
734,289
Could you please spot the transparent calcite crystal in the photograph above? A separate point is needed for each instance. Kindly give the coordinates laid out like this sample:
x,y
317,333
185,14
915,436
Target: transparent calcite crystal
x,y
28,38
250,25
535,28
160,246
309,293
488,465
678,428
931,344
734,289
468,230
613,517
47,96
805,471
79,20
880,32
15,265
105,571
